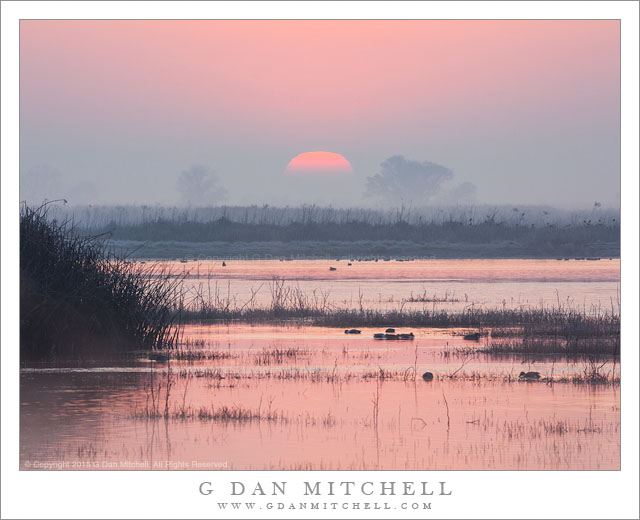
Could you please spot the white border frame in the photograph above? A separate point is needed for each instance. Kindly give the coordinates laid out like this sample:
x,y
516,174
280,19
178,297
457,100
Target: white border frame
x,y
486,494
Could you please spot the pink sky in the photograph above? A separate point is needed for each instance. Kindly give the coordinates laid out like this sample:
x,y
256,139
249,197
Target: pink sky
x,y
342,86
288,74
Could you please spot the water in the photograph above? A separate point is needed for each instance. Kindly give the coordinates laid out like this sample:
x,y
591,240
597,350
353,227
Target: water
x,y
316,398
455,284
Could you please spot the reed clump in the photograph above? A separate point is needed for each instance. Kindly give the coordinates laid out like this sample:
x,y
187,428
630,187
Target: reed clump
x,y
575,346
208,413
200,355
432,298
290,302
79,301
278,356
569,322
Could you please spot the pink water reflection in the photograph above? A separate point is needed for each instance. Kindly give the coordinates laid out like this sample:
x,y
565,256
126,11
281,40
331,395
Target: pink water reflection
x,y
455,284
321,407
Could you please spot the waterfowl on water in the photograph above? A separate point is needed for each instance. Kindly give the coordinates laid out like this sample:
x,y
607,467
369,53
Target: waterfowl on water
x,y
390,330
529,375
160,358
332,269
474,336
352,331
427,376
224,264
381,335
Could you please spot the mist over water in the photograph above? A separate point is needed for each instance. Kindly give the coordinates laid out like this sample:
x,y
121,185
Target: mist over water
x,y
474,240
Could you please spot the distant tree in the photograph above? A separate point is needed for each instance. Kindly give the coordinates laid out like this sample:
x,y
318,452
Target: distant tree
x,y
402,180
463,193
44,182
199,186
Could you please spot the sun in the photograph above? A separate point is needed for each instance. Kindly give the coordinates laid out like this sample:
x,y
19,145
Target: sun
x,y
319,163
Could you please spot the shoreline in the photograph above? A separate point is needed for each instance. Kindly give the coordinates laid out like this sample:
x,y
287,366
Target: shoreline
x,y
360,250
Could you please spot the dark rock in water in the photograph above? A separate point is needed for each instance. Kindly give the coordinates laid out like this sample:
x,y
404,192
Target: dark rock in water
x,y
530,375
390,330
427,376
352,331
160,358
475,336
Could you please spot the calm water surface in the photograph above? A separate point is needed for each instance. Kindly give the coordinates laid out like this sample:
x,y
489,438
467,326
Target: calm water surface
x,y
456,284
315,398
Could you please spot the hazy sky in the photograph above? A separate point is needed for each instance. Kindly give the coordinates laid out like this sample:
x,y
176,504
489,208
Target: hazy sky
x,y
144,111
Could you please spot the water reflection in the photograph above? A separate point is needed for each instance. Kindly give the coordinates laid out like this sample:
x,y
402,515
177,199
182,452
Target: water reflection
x,y
291,397
431,284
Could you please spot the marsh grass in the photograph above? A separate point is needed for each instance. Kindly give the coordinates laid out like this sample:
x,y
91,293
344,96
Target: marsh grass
x,y
549,346
211,301
558,329
536,230
269,356
594,372
235,413
543,320
185,354
79,300
290,303
222,413
434,298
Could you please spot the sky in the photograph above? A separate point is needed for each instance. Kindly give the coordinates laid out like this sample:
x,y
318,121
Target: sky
x,y
425,112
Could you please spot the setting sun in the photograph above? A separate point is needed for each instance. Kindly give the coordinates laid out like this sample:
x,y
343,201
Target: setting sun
x,y
319,163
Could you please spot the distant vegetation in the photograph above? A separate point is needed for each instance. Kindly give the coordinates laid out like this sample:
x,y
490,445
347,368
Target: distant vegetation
x,y
78,301
313,231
